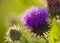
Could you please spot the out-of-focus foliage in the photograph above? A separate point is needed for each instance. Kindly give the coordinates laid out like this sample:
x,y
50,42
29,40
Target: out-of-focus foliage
x,y
55,32
13,8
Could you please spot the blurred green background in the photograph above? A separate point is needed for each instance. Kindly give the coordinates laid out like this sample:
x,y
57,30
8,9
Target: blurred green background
x,y
15,8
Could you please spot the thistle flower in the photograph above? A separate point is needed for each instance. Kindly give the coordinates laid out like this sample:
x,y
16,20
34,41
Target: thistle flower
x,y
13,34
35,19
54,7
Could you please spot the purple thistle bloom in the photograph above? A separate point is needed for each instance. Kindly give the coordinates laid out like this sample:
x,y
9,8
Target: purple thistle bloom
x,y
54,7
36,19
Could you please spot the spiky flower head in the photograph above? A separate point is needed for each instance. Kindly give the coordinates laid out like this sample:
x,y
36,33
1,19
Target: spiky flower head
x,y
36,19
54,7
13,34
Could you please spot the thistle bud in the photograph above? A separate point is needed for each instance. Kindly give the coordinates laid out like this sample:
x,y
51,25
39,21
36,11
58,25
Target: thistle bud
x,y
13,34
